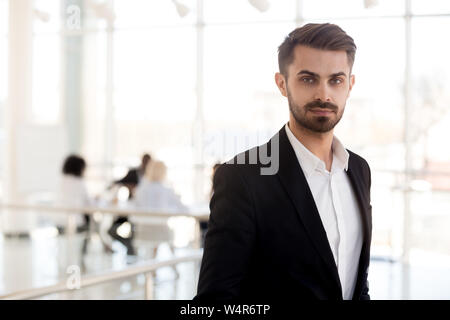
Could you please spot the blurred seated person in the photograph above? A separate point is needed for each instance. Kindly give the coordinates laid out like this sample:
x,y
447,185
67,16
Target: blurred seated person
x,y
130,180
72,192
154,195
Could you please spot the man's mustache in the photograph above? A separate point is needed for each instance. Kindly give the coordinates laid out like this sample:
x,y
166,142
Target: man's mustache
x,y
322,105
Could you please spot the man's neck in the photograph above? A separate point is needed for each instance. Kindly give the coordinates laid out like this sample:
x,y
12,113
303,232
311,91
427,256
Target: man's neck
x,y
318,143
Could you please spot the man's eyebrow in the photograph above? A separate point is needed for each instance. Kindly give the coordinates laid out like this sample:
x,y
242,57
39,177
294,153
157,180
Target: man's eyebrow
x,y
337,74
310,73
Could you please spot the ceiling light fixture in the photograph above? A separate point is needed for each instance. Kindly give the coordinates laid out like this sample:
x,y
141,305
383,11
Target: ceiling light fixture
x,y
261,5
370,3
182,9
41,15
103,10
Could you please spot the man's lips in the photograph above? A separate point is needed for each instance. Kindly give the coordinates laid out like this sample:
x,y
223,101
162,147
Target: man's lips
x,y
321,111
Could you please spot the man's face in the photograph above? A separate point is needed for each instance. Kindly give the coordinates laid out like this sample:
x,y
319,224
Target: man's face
x,y
317,87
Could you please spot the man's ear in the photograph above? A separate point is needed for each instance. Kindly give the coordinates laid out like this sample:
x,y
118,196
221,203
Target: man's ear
x,y
281,83
352,83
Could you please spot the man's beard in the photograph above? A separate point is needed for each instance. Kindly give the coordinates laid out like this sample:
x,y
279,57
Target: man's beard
x,y
319,124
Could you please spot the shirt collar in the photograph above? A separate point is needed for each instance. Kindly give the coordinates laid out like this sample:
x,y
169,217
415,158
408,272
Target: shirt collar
x,y
310,162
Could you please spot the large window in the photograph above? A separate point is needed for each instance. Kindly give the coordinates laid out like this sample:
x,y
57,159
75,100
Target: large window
x,y
184,80
47,59
203,84
3,76
430,7
3,51
241,99
155,98
329,9
138,14
192,83
237,11
429,125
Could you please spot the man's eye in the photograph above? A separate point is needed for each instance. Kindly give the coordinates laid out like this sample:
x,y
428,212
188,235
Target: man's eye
x,y
308,80
336,81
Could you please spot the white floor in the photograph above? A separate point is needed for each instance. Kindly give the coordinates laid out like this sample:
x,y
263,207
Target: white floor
x,y
27,263
40,261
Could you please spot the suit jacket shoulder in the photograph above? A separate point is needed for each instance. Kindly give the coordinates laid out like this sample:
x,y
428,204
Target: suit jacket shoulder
x,y
358,163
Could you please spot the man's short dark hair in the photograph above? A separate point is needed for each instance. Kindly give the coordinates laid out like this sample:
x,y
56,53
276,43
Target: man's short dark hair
x,y
146,158
74,165
324,36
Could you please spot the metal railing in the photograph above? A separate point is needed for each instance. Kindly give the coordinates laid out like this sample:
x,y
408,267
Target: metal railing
x,y
145,268
105,210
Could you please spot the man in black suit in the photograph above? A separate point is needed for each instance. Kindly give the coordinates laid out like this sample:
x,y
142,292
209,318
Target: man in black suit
x,y
291,219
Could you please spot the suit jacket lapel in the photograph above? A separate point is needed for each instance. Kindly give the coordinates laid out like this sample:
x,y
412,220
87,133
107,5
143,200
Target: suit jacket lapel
x,y
296,186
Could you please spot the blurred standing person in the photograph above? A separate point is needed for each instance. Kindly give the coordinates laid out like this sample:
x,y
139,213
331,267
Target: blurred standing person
x,y
134,175
130,181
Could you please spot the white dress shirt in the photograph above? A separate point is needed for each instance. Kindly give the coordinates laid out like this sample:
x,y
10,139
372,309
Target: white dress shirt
x,y
72,192
337,206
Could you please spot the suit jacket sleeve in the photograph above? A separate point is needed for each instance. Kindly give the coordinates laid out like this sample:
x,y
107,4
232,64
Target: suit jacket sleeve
x,y
230,238
365,292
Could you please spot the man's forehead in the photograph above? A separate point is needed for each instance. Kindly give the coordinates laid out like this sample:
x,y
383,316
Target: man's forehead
x,y
319,61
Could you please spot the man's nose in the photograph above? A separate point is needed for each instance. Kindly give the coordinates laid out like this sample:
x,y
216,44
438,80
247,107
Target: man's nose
x,y
322,93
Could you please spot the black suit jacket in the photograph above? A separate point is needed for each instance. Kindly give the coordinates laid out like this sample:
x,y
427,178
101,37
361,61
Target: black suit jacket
x,y
265,238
